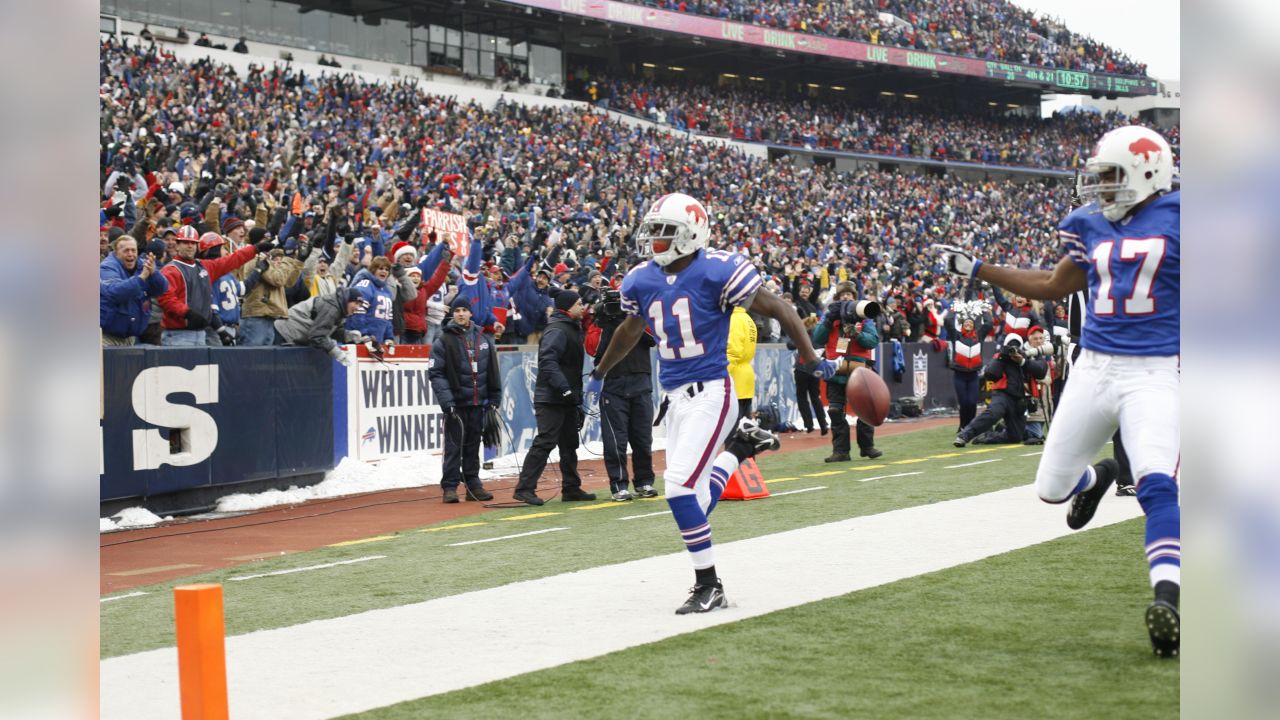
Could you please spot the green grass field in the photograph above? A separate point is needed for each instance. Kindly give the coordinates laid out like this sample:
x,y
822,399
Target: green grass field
x,y
1052,630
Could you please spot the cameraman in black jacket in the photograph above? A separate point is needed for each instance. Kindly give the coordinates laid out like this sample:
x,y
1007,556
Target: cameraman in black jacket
x,y
557,397
1009,371
626,406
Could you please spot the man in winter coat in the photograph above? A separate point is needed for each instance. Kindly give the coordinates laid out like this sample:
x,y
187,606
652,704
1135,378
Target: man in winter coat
x,y
188,304
464,379
266,303
125,288
318,322
557,396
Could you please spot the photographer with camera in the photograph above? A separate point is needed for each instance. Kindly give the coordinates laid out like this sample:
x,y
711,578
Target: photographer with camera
x,y
626,406
1009,370
848,332
1040,403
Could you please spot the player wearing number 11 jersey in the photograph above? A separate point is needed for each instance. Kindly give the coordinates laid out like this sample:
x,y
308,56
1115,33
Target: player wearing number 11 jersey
x,y
1125,249
684,296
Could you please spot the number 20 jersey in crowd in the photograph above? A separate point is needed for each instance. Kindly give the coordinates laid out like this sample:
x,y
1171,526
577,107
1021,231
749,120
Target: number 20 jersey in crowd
x,y
688,312
1133,306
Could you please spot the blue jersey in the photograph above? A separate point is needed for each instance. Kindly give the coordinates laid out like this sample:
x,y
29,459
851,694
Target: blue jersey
x,y
227,291
1134,277
688,312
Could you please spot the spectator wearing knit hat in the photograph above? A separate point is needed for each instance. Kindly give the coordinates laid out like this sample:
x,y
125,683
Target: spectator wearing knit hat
x,y
464,377
557,398
318,322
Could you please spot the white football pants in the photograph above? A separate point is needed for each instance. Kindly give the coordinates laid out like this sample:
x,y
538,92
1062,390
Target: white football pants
x,y
1137,394
697,425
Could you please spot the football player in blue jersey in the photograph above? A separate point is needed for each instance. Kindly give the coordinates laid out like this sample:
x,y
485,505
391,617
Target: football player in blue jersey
x,y
1123,247
684,295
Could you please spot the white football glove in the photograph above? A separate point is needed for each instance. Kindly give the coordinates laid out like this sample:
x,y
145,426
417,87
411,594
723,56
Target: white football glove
x,y
958,260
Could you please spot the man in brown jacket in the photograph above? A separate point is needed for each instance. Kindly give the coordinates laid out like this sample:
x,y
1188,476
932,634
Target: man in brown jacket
x,y
265,302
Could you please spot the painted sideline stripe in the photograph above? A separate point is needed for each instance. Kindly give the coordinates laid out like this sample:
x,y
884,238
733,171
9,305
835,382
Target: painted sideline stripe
x,y
121,597
1038,452
883,477
290,571
506,537
868,467
367,660
909,461
980,462
361,541
652,514
150,570
824,473
530,516
453,527
793,492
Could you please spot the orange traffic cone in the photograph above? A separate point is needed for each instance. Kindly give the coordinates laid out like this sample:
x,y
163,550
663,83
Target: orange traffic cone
x,y
746,483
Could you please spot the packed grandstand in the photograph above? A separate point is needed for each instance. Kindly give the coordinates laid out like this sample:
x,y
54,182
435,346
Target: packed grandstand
x,y
184,133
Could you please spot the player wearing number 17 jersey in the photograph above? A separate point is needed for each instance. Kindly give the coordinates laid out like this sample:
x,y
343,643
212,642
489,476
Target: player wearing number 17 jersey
x,y
1125,249
684,296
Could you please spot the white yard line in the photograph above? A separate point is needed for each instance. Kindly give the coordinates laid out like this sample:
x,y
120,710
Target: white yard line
x,y
652,514
121,597
980,462
793,492
505,537
1033,454
291,571
885,477
326,668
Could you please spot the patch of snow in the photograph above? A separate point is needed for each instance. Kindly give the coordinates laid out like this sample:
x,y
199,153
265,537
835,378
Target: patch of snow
x,y
134,517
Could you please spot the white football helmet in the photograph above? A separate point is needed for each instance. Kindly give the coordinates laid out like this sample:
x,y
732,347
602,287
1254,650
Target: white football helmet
x,y
676,225
1129,165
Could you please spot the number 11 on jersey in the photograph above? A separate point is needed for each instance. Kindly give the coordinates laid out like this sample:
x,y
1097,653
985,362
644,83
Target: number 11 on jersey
x,y
689,345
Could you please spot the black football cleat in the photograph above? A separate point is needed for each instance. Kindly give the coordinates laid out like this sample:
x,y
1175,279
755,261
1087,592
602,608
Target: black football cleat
x,y
1163,627
1126,491
1085,504
749,438
704,598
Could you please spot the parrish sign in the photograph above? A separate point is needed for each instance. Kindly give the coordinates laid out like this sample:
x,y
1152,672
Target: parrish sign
x,y
450,227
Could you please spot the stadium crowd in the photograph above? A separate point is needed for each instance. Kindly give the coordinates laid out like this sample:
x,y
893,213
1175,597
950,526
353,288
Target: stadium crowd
x,y
898,128
996,30
327,175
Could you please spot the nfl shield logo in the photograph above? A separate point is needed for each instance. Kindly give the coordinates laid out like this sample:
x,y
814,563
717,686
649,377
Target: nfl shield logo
x,y
920,368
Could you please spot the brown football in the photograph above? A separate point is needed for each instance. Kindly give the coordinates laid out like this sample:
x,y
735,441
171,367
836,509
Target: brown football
x,y
867,396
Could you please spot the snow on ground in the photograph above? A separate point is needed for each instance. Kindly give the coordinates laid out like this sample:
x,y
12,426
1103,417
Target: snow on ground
x,y
353,477
134,517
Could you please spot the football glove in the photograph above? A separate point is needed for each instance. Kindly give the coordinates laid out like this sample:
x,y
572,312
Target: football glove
x,y
822,369
959,261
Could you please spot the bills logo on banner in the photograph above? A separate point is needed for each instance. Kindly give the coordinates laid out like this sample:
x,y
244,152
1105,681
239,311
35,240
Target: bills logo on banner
x,y
450,227
920,368
396,412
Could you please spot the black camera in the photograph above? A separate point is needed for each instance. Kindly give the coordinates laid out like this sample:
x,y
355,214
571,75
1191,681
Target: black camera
x,y
610,305
1011,346
849,312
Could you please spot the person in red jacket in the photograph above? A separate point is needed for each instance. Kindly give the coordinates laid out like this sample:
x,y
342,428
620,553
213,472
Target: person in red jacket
x,y
415,310
188,305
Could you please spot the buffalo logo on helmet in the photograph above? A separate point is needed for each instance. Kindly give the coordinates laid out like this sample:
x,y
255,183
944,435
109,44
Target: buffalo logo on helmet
x,y
697,213
1144,147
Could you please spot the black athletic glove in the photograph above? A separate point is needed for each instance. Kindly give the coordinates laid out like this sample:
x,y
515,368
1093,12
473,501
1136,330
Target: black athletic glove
x,y
195,321
264,246
582,419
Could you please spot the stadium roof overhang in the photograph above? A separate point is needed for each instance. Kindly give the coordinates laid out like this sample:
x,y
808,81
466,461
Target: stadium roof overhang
x,y
632,35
